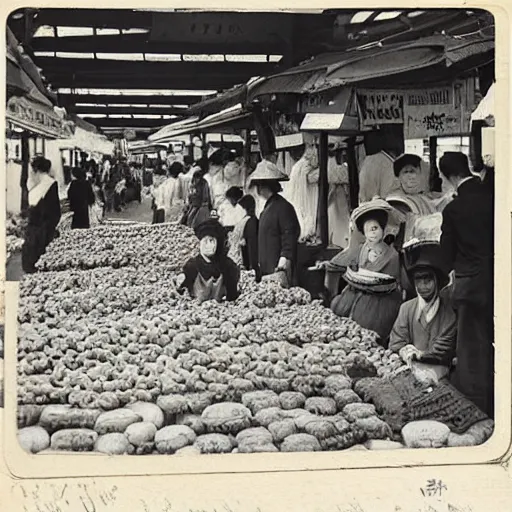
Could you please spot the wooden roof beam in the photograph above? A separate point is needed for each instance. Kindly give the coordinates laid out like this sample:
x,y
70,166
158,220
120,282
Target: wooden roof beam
x,y
105,99
163,110
139,43
109,122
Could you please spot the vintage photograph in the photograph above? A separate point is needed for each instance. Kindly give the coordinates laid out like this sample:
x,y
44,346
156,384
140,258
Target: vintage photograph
x,y
251,232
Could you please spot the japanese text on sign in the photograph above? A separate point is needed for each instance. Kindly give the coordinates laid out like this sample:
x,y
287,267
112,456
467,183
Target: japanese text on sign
x,y
381,107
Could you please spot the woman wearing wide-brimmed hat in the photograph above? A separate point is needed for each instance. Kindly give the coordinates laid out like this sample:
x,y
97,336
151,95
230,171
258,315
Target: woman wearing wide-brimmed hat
x,y
426,328
371,297
279,227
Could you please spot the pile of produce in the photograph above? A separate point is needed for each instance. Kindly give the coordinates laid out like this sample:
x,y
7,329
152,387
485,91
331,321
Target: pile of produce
x,y
139,246
117,361
15,232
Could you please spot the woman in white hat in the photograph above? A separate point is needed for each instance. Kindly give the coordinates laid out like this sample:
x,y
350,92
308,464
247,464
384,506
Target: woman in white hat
x,y
279,228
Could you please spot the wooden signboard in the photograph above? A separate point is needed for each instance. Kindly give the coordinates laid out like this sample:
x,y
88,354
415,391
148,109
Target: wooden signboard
x,y
379,107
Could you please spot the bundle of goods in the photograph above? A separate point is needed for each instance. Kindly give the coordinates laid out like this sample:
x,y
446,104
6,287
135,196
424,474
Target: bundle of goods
x,y
15,232
139,246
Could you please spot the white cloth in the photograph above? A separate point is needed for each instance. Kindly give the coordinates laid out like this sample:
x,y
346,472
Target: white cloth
x,y
230,215
167,195
427,310
38,188
377,177
303,195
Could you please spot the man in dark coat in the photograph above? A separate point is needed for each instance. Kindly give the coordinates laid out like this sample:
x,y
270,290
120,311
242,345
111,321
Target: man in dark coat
x,y
467,241
279,227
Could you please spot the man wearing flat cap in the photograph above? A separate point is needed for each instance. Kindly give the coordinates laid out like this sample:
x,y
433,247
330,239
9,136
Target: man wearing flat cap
x,y
467,242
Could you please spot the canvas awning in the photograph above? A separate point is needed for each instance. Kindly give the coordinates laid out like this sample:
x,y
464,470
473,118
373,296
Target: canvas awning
x,y
485,108
360,65
227,121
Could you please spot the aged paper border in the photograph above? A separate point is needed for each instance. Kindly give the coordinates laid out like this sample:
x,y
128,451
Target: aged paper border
x,y
470,461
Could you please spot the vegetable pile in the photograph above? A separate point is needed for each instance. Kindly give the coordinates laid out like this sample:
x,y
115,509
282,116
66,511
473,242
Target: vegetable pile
x,y
112,358
15,232
138,246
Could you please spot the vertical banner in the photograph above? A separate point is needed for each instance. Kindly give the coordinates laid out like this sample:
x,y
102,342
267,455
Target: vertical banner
x,y
438,112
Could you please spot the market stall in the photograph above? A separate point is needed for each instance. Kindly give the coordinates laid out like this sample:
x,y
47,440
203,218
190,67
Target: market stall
x,y
151,371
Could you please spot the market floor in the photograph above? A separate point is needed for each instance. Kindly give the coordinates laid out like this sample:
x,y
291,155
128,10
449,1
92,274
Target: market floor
x,y
134,211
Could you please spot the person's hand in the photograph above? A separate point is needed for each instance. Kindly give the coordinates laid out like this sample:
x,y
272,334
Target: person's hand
x,y
180,279
409,353
283,263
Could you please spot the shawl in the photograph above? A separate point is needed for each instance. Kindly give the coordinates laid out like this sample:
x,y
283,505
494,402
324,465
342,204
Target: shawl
x,y
39,191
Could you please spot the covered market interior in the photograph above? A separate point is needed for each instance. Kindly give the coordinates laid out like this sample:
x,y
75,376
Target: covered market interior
x,y
164,117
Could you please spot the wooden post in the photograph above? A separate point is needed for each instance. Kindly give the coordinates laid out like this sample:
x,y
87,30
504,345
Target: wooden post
x,y
353,174
435,179
25,162
247,156
323,190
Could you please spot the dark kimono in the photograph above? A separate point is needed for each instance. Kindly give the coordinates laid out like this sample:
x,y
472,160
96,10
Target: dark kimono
x,y
199,204
243,245
81,197
278,236
373,311
43,219
213,280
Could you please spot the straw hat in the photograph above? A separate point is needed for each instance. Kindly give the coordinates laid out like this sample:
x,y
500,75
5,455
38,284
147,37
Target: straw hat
x,y
369,281
267,171
425,254
376,208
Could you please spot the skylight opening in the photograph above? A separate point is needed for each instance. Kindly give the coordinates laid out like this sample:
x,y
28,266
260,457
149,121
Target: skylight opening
x,y
120,116
44,54
246,58
44,31
121,56
93,116
136,92
124,105
74,55
361,16
134,31
107,31
388,15
414,14
275,58
74,31
147,116
163,57
89,105
169,106
204,58
167,116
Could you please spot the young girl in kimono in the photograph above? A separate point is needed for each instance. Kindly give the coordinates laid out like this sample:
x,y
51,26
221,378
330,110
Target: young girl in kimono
x,y
371,297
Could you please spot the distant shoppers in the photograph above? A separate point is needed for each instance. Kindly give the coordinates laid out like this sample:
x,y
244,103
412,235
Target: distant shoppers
x,y
279,227
467,241
43,213
243,241
199,203
167,196
81,197
229,211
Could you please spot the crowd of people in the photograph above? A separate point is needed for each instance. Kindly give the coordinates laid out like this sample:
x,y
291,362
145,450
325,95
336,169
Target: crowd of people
x,y
415,265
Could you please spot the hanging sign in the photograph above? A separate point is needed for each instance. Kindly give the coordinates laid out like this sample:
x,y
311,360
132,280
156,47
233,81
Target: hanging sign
x,y
33,117
435,112
380,107
333,101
